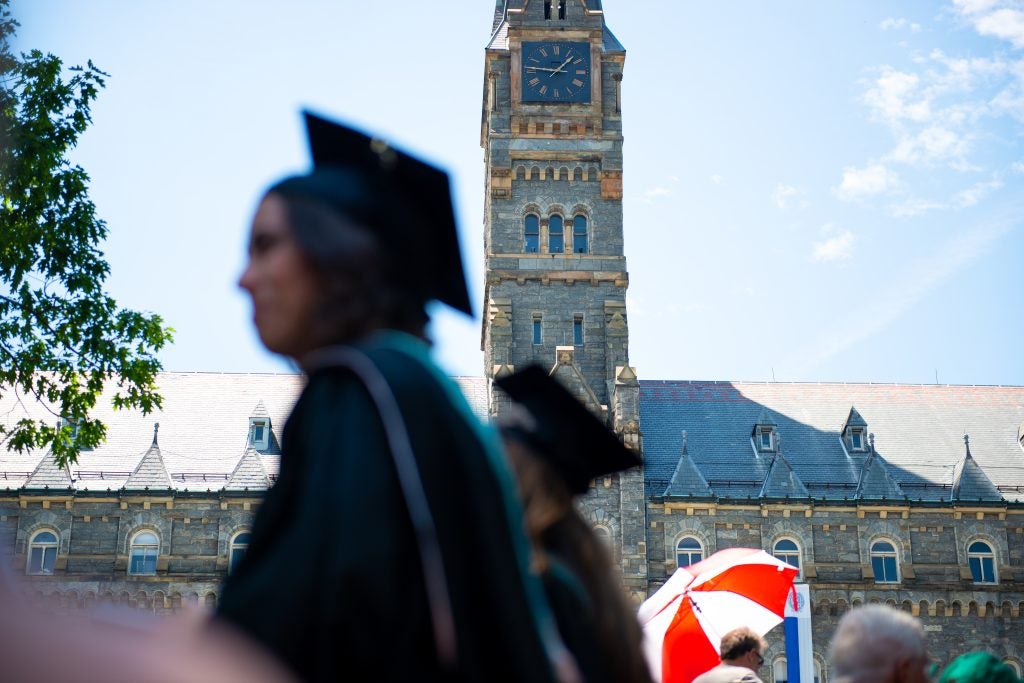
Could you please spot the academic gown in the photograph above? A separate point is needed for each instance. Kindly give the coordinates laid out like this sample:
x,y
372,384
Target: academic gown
x,y
332,582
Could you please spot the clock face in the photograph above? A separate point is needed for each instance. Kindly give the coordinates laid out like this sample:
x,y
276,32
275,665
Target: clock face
x,y
556,72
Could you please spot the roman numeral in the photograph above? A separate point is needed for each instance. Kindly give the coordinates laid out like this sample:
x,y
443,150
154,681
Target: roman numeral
x,y
534,82
581,72
577,82
543,90
556,93
543,52
577,61
531,69
555,49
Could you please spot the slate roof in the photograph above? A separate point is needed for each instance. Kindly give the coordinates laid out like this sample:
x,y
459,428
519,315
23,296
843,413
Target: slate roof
x,y
919,450
203,435
499,28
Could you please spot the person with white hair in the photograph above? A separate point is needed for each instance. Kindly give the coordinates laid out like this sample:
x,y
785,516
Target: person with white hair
x,y
879,644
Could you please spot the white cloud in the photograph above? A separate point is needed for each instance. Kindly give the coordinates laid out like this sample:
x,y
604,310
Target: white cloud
x,y
836,248
896,96
916,206
716,179
1017,167
921,278
974,6
1006,23
659,191
935,143
859,183
787,197
893,24
977,192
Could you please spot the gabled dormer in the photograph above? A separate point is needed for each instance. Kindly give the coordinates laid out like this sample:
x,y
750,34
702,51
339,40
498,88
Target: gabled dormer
x,y
855,433
260,435
765,434
687,480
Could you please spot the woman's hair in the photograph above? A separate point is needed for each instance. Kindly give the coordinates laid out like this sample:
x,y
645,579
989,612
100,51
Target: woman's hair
x,y
557,532
362,288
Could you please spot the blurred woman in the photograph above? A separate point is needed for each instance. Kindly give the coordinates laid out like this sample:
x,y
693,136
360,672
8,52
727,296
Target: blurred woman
x,y
556,448
390,547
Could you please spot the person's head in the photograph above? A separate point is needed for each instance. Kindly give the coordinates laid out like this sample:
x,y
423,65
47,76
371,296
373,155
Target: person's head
x,y
878,643
743,647
978,667
360,243
317,278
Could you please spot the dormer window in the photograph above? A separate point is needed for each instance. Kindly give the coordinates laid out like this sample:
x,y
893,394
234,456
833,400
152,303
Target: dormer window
x,y
765,439
855,432
259,433
70,424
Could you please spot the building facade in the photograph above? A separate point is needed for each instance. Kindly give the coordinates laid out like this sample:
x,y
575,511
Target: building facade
x,y
906,495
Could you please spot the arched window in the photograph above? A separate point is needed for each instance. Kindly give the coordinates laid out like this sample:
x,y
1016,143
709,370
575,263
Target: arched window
x,y
580,243
787,551
688,551
556,235
817,672
239,544
42,552
884,562
780,674
982,561
144,549
603,535
531,234
1013,665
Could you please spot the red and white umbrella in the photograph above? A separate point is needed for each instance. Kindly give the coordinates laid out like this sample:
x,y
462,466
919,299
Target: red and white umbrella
x,y
684,621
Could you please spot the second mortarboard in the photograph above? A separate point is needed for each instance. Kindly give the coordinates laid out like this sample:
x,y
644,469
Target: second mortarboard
x,y
572,440
405,202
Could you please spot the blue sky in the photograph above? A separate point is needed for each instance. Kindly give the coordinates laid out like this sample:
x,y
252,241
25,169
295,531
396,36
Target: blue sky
x,y
815,191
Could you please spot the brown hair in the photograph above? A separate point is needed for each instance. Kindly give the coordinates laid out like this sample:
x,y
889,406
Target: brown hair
x,y
739,642
361,288
558,532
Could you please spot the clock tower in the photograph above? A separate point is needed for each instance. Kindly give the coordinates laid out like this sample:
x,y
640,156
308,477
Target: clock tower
x,y
556,277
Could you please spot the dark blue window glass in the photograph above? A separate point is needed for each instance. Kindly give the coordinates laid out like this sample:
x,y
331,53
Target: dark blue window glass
x,y
536,331
883,562
580,243
688,552
577,330
531,232
982,562
556,236
145,548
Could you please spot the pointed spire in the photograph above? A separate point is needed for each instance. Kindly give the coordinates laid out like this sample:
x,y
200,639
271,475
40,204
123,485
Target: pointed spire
x,y
854,419
156,432
151,472
48,474
687,480
875,480
249,473
970,482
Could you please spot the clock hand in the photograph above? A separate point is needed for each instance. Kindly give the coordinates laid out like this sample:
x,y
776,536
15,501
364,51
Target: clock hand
x,y
561,66
539,68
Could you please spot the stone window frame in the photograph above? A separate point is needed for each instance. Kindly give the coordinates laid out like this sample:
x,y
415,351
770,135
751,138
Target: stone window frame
x,y
779,659
1014,664
559,214
993,554
135,533
761,432
32,543
603,533
259,424
531,212
700,544
799,552
578,324
895,553
580,212
234,544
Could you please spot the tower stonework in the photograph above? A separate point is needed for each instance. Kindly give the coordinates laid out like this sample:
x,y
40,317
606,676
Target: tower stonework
x,y
556,276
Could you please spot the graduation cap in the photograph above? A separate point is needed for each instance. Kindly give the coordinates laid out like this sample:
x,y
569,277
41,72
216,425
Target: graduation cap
x,y
574,442
405,202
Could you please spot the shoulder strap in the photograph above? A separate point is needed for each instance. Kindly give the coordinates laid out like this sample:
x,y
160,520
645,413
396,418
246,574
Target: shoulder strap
x,y
438,598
